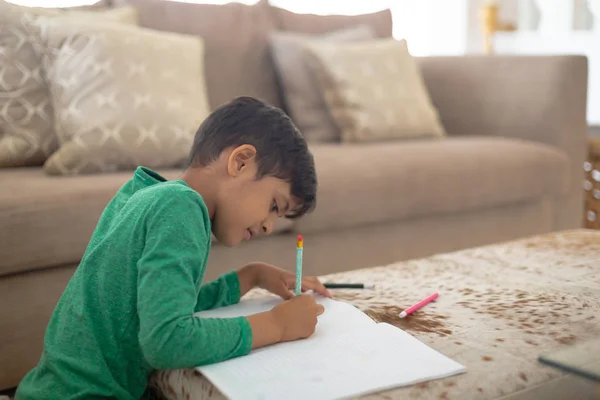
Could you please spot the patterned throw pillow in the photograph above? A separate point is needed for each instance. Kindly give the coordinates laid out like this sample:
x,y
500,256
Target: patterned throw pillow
x,y
27,135
123,95
374,90
303,99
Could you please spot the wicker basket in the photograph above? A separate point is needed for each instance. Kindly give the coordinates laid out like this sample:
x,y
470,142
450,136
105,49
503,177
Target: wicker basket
x,y
591,185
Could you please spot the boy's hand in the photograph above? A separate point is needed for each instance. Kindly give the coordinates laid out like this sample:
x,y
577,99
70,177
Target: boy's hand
x,y
297,317
276,281
291,320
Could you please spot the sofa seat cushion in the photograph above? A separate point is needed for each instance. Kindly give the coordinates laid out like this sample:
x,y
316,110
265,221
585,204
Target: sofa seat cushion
x,y
391,181
48,221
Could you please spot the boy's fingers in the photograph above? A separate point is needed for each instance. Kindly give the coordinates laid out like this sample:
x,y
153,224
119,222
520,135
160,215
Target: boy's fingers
x,y
310,283
314,284
291,283
282,292
320,309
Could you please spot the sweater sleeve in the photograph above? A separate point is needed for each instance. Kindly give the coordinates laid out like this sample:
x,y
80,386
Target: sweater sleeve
x,y
170,336
221,292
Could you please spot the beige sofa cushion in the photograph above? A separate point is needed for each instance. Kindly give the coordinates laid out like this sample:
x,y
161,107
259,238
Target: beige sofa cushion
x,y
303,99
123,96
48,220
236,38
380,22
374,90
26,117
375,183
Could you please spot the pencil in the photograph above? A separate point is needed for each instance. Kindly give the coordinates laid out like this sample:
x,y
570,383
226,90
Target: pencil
x,y
299,248
347,286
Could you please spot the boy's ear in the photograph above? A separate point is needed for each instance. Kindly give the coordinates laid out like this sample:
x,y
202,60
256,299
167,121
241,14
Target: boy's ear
x,y
241,159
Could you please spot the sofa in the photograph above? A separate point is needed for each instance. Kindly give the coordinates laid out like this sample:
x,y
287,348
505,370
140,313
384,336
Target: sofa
x,y
509,167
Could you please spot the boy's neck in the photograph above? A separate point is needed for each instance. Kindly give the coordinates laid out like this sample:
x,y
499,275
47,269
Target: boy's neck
x,y
203,181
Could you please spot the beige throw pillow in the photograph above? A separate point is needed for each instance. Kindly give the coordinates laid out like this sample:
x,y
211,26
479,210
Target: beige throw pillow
x,y
26,126
303,99
374,90
123,96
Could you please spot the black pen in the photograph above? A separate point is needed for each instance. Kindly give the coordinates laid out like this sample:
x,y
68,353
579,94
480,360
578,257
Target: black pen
x,y
347,286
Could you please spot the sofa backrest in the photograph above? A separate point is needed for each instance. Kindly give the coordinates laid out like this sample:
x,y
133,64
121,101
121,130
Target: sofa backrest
x,y
235,36
380,22
237,57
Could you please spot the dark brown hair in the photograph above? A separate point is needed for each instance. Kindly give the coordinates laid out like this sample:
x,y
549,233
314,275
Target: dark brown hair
x,y
282,151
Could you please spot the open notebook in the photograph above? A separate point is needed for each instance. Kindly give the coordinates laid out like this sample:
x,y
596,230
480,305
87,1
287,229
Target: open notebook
x,y
348,355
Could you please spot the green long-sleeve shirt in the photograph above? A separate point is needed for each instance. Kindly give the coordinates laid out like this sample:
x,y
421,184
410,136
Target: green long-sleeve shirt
x,y
128,308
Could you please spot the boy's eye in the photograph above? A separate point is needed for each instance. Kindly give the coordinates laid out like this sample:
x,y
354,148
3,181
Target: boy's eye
x,y
275,208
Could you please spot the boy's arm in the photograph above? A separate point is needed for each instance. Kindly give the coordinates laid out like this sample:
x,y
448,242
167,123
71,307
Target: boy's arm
x,y
170,336
221,292
227,289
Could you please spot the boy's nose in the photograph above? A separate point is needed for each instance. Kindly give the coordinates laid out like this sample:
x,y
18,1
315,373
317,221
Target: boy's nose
x,y
267,227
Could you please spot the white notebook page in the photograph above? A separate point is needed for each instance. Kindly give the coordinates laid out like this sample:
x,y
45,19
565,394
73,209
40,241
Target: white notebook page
x,y
339,317
348,355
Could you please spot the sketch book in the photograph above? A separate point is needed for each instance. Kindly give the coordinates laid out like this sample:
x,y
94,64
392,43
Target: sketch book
x,y
349,355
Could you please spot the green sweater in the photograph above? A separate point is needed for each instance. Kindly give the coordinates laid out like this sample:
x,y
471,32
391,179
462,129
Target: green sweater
x,y
128,308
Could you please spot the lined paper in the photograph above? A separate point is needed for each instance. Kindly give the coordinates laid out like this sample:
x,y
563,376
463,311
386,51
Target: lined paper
x,y
349,355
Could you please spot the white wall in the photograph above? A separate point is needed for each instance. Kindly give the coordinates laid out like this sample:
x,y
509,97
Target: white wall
x,y
449,26
429,26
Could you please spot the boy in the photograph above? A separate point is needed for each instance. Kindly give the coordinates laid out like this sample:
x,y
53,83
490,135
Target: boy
x,y
129,307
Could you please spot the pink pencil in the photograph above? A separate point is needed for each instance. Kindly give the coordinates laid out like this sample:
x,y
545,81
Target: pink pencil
x,y
420,304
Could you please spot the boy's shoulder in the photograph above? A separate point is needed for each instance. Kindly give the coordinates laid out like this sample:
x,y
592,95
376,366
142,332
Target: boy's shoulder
x,y
169,195
169,188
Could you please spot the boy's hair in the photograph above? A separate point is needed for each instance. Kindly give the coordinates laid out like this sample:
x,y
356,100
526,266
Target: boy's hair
x,y
282,151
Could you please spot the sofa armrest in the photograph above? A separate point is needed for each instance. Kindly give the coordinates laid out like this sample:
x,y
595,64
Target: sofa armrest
x,y
537,98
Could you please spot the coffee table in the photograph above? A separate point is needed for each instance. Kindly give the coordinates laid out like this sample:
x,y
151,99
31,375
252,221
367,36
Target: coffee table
x,y
500,307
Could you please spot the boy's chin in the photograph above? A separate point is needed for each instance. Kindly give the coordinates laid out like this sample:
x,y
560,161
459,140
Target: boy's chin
x,y
225,236
226,241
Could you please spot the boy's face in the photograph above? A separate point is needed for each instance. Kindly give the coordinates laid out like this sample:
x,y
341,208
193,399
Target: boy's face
x,y
248,207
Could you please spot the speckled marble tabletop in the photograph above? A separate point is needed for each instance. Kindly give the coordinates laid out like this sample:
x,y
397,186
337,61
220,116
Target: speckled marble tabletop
x,y
500,307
